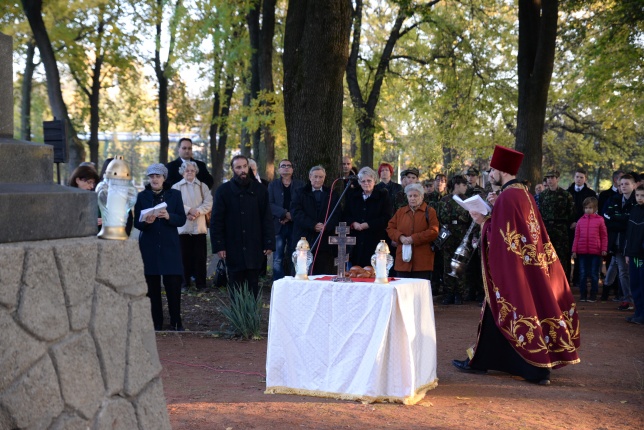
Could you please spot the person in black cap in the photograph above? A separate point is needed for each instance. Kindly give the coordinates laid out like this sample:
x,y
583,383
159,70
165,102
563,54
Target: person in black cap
x,y
411,177
473,187
159,244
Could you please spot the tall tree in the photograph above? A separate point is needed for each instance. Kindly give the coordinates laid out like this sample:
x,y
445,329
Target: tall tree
x,y
266,153
365,107
535,60
33,11
316,50
27,84
97,53
164,70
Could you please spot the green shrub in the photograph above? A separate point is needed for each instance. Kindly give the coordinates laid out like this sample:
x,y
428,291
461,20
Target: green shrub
x,y
244,311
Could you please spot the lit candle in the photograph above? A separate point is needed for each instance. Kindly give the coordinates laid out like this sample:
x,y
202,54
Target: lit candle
x,y
381,265
301,262
116,206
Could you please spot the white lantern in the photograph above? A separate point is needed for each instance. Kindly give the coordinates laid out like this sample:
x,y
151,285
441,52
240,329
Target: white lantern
x,y
382,262
302,259
116,197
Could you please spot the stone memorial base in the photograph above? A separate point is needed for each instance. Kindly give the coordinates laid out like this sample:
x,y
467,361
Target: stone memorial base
x,y
32,207
78,345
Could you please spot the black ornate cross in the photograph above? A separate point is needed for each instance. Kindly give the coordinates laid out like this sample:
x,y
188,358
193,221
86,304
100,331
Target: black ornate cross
x,y
342,240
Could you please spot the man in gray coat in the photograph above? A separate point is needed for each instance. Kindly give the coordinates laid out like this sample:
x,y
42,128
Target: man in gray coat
x,y
281,192
241,228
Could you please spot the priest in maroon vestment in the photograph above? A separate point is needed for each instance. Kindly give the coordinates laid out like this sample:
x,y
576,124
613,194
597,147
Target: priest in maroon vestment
x,y
529,323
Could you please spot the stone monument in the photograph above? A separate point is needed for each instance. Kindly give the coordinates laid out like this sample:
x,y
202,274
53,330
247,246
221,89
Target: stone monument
x,y
32,207
77,344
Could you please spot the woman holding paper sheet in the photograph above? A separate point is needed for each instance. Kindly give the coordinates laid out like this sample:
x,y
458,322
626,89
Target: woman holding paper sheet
x,y
159,244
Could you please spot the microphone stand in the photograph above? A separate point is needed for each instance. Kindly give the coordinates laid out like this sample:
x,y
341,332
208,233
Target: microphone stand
x,y
331,214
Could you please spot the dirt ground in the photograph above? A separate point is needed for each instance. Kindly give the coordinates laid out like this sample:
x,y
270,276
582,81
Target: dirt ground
x,y
214,381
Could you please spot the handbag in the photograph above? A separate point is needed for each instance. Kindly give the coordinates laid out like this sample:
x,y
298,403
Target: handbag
x,y
221,274
209,213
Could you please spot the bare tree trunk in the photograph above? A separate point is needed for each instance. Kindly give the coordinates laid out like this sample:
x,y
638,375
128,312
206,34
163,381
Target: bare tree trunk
x,y
27,84
94,110
33,12
315,57
218,165
537,38
267,145
163,73
245,144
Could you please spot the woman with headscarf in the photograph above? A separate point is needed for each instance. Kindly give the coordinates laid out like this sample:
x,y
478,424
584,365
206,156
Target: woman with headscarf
x,y
159,244
414,227
197,202
367,212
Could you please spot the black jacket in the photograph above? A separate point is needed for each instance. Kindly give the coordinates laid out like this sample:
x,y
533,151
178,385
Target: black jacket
x,y
375,211
579,197
305,213
242,225
174,176
634,246
159,241
616,218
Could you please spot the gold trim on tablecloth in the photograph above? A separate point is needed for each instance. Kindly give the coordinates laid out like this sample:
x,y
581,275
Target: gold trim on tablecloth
x,y
409,400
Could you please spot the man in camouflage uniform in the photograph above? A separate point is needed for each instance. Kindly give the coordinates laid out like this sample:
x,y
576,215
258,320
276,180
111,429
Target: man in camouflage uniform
x,y
440,191
474,276
558,211
432,199
410,177
457,221
473,187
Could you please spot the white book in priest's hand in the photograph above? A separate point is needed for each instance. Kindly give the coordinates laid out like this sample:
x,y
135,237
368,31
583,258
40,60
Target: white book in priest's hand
x,y
155,210
474,203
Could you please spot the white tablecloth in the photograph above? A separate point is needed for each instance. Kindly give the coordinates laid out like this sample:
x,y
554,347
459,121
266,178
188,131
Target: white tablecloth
x,y
359,341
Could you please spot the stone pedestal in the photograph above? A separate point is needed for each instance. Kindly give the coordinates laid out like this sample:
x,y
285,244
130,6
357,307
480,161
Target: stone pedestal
x,y
78,344
32,207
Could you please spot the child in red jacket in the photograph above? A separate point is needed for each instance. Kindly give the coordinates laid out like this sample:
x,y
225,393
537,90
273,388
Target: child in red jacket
x,y
591,243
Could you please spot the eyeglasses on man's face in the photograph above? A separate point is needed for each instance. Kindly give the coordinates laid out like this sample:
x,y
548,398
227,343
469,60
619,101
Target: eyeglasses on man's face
x,y
286,166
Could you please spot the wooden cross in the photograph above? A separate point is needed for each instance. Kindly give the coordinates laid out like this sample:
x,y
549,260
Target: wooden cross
x,y
342,240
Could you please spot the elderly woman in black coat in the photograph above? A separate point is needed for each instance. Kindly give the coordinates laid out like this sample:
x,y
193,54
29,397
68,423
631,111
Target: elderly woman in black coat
x,y
159,244
367,212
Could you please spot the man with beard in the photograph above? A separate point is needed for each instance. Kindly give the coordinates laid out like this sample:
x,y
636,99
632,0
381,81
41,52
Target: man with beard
x,y
241,228
529,323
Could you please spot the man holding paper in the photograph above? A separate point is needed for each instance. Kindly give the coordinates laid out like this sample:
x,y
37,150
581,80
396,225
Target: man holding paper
x,y
529,323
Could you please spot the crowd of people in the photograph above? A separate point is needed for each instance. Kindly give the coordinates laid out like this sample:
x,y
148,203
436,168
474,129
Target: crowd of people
x,y
250,218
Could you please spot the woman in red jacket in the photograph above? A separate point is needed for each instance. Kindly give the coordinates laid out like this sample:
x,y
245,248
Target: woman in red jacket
x,y
591,243
414,227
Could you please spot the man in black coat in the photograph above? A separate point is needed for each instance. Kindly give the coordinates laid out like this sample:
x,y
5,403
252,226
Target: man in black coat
x,y
579,192
184,148
309,208
241,228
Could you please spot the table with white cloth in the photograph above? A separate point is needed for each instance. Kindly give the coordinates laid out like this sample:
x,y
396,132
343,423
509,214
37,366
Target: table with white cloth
x,y
355,341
